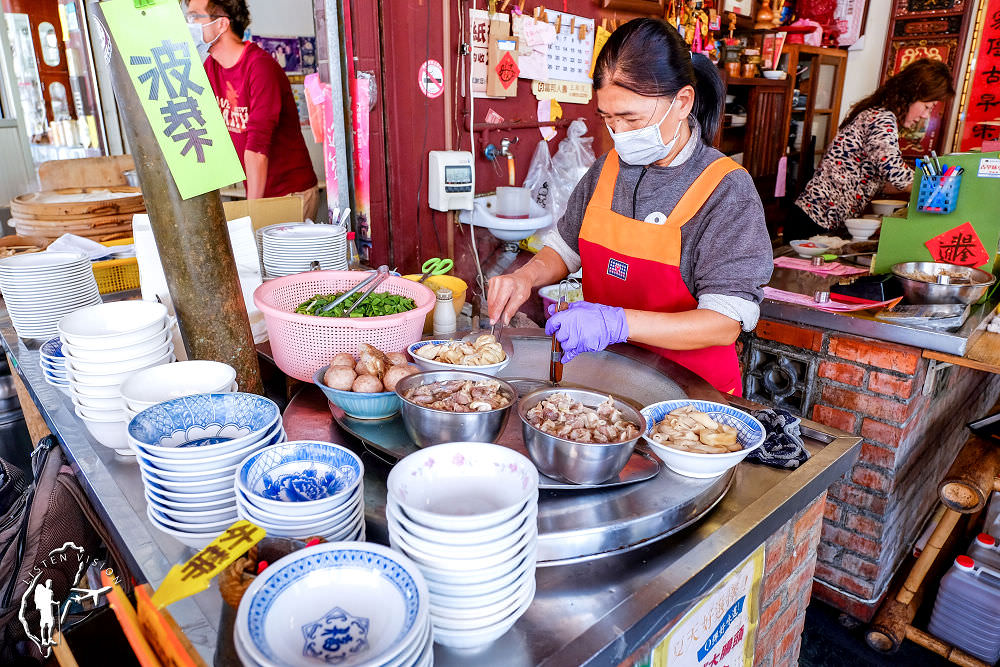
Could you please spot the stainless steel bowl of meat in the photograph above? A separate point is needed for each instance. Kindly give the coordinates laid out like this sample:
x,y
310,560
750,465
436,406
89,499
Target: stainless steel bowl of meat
x,y
936,282
454,406
579,436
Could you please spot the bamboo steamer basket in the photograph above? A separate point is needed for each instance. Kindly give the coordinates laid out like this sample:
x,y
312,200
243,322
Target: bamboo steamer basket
x,y
77,202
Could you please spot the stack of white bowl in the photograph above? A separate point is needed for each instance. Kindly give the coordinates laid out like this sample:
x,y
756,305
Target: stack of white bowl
x,y
304,489
292,248
467,514
104,345
150,386
189,449
340,603
53,363
40,288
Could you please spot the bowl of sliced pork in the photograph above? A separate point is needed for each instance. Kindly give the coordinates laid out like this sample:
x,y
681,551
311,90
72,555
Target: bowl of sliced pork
x,y
579,436
454,406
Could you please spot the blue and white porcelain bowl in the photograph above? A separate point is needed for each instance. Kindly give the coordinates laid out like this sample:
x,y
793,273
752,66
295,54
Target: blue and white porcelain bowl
x,y
300,478
373,599
209,463
379,405
749,432
51,350
339,513
180,426
428,365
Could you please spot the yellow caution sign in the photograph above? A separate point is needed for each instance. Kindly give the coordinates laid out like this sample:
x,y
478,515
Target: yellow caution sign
x,y
195,575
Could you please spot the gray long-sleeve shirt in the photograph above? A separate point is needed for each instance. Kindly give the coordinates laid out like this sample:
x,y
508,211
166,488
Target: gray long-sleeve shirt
x,y
726,253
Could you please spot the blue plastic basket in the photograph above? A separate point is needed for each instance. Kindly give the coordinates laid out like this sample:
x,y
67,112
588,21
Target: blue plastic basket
x,y
938,194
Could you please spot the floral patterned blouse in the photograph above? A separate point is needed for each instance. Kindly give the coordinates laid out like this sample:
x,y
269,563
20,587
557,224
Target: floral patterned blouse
x,y
863,157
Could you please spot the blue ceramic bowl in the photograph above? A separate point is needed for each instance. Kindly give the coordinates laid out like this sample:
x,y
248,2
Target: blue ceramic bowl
x,y
300,478
362,406
193,426
373,599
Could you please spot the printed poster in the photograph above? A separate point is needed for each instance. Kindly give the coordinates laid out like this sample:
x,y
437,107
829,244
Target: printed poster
x,y
981,107
721,629
286,51
171,83
479,22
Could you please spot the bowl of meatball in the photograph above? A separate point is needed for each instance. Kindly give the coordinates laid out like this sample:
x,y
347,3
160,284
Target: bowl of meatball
x,y
579,436
454,406
364,387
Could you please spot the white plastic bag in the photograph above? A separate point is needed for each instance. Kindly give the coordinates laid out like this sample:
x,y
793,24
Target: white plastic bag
x,y
552,180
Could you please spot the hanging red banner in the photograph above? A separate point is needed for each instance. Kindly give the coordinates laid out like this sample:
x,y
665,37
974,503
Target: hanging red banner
x,y
982,102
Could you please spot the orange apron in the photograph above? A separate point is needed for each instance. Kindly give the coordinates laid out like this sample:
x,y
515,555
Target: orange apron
x,y
635,264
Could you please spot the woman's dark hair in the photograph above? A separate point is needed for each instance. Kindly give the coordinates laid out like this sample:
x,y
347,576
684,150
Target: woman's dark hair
x,y
649,57
923,80
238,13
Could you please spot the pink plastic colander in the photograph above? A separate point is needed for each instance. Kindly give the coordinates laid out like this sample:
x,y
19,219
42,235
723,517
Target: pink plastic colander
x,y
302,344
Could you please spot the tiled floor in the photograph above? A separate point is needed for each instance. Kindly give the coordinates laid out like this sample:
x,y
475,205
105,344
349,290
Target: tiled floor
x,y
827,643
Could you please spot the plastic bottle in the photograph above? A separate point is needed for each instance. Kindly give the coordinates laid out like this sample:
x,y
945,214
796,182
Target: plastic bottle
x,y
967,609
353,258
985,550
444,315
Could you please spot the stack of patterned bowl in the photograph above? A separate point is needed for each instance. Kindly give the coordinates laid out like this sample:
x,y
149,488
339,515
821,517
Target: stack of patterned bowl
x,y
303,489
340,603
104,345
467,514
189,450
53,363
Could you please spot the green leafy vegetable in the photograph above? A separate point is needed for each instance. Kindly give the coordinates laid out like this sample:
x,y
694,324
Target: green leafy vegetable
x,y
376,305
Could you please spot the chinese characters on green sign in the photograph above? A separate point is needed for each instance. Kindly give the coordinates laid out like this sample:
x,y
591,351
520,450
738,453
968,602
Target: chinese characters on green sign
x,y
172,85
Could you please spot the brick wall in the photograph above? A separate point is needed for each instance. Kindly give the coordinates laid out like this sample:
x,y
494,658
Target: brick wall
x,y
789,560
875,390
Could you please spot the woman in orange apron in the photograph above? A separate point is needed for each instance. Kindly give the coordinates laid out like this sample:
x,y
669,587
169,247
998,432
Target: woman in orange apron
x,y
669,232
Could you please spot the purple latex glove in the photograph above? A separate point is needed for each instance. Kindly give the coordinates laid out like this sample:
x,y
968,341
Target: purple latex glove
x,y
586,327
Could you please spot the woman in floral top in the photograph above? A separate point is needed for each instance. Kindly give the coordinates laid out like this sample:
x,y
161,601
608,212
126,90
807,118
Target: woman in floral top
x,y
865,154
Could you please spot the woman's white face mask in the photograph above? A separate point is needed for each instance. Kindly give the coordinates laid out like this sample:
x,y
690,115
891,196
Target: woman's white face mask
x,y
644,146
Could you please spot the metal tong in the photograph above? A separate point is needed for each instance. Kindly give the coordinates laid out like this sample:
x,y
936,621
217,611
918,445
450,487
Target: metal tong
x,y
383,271
555,364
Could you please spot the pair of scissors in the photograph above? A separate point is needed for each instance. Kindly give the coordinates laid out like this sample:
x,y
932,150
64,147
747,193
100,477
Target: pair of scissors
x,y
435,266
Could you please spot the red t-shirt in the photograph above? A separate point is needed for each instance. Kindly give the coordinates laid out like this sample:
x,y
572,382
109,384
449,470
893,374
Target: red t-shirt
x,y
257,105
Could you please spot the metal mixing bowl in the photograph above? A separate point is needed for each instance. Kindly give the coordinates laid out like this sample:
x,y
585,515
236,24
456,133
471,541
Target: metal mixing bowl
x,y
577,462
921,291
432,427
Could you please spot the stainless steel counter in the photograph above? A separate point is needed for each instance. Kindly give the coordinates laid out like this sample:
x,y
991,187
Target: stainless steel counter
x,y
863,324
594,613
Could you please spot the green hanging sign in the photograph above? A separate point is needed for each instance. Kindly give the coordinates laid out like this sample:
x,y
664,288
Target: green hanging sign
x,y
168,76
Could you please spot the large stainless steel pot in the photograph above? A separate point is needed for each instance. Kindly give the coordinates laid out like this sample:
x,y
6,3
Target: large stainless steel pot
x,y
969,285
432,427
577,462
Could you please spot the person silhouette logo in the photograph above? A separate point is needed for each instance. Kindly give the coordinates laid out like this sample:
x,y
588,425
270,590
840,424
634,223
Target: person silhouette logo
x,y
44,603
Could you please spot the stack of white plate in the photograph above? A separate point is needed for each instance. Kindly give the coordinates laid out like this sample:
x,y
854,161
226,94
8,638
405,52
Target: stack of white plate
x,y
40,288
53,363
148,387
341,603
303,489
292,248
104,345
189,449
467,514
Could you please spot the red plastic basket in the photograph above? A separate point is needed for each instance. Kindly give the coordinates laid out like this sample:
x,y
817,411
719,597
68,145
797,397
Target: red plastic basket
x,y
302,344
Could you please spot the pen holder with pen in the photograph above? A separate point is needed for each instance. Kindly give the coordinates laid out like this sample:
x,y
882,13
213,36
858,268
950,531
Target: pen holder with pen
x,y
939,194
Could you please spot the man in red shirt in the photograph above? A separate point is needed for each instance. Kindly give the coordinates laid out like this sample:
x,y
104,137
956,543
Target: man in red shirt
x,y
256,102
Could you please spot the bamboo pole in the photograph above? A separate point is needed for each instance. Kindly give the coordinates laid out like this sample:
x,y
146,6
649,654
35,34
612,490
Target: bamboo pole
x,y
192,237
947,651
927,557
968,483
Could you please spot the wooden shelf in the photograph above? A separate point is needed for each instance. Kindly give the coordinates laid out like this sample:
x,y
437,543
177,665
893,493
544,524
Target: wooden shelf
x,y
757,81
961,361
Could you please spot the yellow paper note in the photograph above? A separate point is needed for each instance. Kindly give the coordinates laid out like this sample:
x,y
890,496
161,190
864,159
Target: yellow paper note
x,y
599,40
195,575
168,76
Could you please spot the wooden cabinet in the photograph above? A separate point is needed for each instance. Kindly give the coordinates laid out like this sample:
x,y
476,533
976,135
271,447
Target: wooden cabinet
x,y
765,120
815,112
